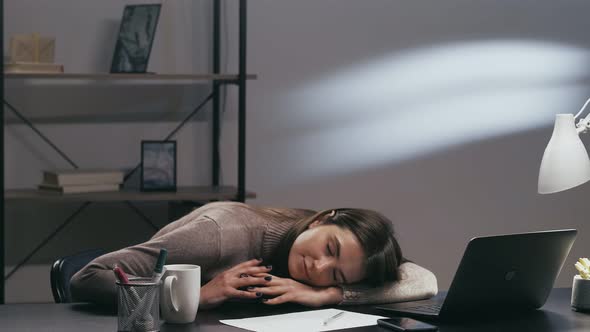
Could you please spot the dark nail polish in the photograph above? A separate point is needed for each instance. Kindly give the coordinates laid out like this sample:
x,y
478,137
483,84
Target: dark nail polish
x,y
268,278
258,294
251,287
269,267
264,300
259,259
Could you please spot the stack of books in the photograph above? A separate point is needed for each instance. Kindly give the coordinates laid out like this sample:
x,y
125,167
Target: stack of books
x,y
81,180
32,68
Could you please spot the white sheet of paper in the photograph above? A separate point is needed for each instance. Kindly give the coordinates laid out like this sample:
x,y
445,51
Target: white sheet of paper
x,y
304,321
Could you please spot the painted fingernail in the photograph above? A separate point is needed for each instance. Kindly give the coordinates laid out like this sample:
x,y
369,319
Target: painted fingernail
x,y
268,278
264,300
259,259
258,294
269,267
243,275
251,287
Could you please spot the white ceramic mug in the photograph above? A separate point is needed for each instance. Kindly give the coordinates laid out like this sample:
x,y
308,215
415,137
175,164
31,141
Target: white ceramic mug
x,y
180,293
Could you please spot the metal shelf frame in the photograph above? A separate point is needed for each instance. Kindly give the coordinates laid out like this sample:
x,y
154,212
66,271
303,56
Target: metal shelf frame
x,y
136,78
217,80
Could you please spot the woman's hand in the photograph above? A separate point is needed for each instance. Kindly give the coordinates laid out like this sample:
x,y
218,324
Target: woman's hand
x,y
227,284
289,290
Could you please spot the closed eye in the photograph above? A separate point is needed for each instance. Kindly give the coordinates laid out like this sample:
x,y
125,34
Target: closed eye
x,y
331,253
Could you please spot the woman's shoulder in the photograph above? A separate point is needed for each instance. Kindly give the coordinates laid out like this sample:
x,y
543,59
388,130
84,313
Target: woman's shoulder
x,y
229,206
237,211
222,205
231,213
263,210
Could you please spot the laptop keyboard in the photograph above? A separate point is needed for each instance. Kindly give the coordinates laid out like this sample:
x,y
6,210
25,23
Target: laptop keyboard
x,y
426,308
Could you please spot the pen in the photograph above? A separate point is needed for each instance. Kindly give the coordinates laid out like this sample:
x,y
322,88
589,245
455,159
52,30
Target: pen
x,y
120,275
159,268
122,278
327,320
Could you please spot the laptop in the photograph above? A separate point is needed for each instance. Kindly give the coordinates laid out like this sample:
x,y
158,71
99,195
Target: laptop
x,y
502,273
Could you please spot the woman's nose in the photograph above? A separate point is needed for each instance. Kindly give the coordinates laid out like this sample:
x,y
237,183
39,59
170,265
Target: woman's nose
x,y
323,264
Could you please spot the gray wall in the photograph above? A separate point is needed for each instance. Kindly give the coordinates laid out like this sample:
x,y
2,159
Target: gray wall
x,y
435,113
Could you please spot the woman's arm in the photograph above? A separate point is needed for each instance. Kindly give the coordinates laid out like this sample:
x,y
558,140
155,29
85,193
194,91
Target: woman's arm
x,y
196,241
283,290
417,283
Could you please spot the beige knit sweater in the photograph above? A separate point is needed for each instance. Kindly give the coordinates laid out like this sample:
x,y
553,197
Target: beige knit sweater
x,y
216,237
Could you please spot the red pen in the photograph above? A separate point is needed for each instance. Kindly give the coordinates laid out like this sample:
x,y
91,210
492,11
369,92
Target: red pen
x,y
122,278
120,275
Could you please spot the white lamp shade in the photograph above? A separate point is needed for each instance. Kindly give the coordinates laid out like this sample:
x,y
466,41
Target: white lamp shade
x,y
565,162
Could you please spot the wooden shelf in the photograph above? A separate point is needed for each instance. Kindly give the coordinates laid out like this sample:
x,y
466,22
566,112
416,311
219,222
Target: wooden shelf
x,y
199,193
114,77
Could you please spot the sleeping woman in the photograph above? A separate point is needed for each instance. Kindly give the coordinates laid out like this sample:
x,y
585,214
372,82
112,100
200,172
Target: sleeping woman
x,y
275,255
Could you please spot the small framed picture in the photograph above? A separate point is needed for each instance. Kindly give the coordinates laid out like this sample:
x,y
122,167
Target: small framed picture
x,y
135,39
158,165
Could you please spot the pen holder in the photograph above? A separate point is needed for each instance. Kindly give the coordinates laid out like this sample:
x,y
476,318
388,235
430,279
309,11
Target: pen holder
x,y
138,305
581,294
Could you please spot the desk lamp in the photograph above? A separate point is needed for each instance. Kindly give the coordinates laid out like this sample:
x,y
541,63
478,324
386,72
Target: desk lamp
x,y
565,162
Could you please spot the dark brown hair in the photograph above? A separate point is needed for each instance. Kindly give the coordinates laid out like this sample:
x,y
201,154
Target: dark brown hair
x,y
373,231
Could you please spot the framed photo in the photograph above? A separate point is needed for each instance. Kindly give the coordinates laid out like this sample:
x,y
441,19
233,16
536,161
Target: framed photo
x,y
135,39
158,165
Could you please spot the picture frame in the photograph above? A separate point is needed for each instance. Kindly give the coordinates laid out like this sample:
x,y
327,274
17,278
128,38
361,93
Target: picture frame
x,y
135,38
158,165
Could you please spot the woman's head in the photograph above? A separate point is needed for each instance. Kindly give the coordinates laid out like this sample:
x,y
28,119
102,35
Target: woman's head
x,y
341,246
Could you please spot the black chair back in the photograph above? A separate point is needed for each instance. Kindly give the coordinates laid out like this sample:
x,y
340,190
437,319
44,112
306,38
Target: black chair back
x,y
64,268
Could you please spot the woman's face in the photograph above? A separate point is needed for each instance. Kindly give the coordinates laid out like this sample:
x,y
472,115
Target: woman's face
x,y
326,255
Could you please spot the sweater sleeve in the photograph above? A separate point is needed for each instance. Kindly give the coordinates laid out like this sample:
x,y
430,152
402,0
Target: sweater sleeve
x,y
417,283
191,242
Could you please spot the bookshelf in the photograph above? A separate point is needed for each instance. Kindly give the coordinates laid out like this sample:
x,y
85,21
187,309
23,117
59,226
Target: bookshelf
x,y
190,193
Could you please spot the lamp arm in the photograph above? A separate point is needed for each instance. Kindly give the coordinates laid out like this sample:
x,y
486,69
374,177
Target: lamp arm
x,y
582,109
584,124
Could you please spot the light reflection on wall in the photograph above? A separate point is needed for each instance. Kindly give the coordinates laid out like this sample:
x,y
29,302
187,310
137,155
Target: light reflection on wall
x,y
406,105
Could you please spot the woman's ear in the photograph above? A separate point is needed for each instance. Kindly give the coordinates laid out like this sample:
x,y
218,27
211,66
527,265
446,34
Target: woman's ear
x,y
314,224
